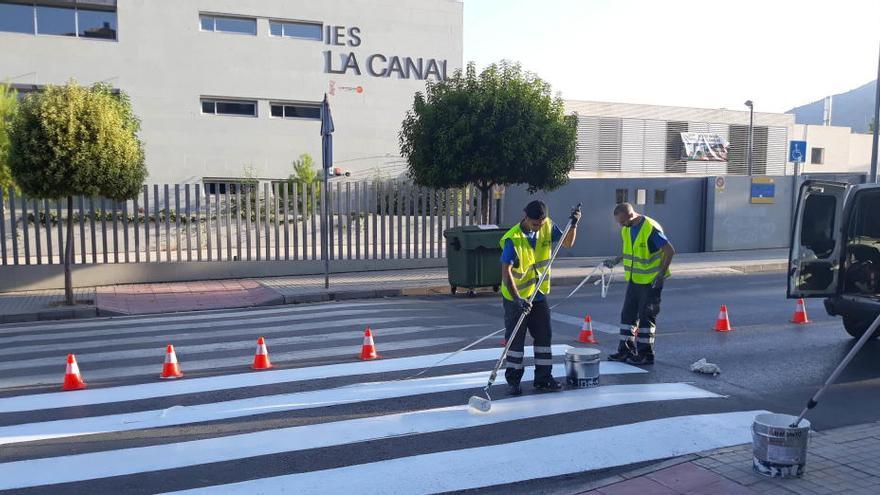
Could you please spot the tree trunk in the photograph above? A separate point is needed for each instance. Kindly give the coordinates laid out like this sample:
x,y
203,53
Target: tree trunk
x,y
68,255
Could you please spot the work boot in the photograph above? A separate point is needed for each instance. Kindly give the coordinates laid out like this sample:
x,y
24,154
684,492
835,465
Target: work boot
x,y
547,385
514,389
621,356
641,360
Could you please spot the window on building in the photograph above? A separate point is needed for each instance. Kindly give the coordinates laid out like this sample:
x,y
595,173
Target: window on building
x,y
96,24
244,108
16,18
227,24
641,196
621,196
311,111
87,19
817,156
293,29
659,196
56,20
221,185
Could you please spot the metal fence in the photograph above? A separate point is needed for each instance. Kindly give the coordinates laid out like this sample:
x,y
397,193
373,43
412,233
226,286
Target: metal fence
x,y
368,220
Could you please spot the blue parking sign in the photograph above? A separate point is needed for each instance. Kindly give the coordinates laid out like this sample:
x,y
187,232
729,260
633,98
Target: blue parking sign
x,y
797,151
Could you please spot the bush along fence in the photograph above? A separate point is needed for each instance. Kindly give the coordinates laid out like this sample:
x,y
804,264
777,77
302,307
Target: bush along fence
x,y
368,220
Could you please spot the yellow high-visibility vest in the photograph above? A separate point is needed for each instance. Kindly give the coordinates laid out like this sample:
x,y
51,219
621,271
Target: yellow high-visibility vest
x,y
530,260
640,265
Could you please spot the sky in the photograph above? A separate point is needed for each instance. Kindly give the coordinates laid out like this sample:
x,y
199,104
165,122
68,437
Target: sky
x,y
699,53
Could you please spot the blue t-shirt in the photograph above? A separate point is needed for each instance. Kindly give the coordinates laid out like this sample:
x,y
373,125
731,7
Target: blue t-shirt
x,y
656,240
508,255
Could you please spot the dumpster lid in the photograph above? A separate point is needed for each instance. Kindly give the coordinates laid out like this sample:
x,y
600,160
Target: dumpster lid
x,y
471,228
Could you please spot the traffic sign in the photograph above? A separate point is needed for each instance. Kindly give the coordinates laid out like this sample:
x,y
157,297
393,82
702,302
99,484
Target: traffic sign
x,y
797,151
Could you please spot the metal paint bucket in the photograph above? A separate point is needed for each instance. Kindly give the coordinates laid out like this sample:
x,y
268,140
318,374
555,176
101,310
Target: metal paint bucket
x,y
582,367
779,450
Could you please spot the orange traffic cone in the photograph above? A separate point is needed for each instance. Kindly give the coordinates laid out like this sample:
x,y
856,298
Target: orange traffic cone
x,y
368,351
170,369
261,359
72,379
586,336
800,313
722,324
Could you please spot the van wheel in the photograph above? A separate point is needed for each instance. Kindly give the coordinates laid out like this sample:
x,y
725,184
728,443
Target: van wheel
x,y
857,327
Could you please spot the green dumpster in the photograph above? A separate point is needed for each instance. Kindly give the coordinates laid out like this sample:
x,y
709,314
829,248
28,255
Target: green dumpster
x,y
473,257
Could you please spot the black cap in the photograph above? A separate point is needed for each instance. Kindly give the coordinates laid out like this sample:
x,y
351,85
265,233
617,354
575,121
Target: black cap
x,y
536,210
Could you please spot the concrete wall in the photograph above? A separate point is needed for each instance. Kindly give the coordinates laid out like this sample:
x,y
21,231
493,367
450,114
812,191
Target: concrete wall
x,y
733,222
166,63
598,233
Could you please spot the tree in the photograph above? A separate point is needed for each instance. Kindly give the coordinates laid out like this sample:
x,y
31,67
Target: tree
x,y
304,170
501,127
8,107
71,140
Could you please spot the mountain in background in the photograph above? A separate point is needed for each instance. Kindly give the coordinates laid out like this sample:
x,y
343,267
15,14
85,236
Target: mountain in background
x,y
854,109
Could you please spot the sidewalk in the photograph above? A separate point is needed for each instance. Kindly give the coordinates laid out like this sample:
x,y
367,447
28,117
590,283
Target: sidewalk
x,y
842,460
224,294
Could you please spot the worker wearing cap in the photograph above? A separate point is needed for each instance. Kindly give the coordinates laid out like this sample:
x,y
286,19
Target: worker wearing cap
x,y
647,254
526,253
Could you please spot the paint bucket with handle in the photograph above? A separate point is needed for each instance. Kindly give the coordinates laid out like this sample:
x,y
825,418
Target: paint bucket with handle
x,y
779,441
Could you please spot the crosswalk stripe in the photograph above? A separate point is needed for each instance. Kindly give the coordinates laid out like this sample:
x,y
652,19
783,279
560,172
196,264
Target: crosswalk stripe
x,y
512,462
86,357
224,362
158,331
172,318
577,322
239,331
179,415
81,467
55,400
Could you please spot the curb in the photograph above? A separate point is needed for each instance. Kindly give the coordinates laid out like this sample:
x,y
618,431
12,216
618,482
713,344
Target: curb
x,y
339,295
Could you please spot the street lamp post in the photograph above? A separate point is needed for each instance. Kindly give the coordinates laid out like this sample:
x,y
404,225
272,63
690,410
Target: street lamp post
x,y
751,135
876,138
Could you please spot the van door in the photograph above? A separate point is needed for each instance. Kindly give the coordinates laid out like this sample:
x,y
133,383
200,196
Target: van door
x,y
815,255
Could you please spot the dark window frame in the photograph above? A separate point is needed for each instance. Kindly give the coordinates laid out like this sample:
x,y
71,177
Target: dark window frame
x,y
284,23
621,195
76,9
285,105
659,196
214,101
813,155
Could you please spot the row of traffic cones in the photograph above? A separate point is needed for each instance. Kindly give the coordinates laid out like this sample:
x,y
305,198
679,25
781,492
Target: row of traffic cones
x,y
171,367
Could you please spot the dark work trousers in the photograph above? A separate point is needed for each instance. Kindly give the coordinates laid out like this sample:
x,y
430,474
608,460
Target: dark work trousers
x,y
538,324
639,317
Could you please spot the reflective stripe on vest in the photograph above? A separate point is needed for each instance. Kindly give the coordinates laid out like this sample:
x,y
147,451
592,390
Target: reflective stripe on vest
x,y
532,261
640,265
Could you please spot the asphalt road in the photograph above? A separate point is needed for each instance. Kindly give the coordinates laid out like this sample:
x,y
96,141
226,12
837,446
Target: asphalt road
x,y
324,422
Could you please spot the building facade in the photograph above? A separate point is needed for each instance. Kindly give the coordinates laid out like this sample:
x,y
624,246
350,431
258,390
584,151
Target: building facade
x,y
231,88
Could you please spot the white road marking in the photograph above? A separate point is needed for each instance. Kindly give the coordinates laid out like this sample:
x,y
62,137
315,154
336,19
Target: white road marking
x,y
513,462
55,400
81,467
179,415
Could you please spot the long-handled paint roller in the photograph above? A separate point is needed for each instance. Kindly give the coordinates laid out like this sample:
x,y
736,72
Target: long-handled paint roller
x,y
837,371
485,404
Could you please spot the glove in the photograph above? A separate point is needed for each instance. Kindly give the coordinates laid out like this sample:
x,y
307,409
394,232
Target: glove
x,y
611,262
524,305
575,217
658,282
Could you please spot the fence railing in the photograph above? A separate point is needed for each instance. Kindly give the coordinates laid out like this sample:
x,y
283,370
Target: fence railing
x,y
368,220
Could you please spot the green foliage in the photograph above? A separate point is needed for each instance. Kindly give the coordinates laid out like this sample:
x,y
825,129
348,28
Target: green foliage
x,y
71,140
502,126
871,126
8,107
304,169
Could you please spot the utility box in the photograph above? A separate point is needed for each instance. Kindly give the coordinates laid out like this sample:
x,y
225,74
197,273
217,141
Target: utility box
x,y
473,257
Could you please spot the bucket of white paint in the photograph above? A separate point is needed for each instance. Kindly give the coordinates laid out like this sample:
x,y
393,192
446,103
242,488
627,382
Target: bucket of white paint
x,y
779,449
582,367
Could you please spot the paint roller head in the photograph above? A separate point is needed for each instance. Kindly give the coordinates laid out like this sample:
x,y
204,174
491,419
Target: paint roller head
x,y
480,404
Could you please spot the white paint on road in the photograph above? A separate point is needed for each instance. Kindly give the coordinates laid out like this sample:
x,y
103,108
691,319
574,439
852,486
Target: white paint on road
x,y
125,393
512,462
179,415
81,467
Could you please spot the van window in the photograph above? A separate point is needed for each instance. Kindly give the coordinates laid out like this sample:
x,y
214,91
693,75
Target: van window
x,y
817,231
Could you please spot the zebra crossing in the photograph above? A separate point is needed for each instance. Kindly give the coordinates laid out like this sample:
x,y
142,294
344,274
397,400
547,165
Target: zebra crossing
x,y
322,421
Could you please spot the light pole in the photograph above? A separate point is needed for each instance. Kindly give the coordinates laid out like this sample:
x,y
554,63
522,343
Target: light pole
x,y
751,134
874,143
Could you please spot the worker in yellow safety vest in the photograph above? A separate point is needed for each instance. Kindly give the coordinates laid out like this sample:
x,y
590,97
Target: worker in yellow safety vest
x,y
526,252
647,254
